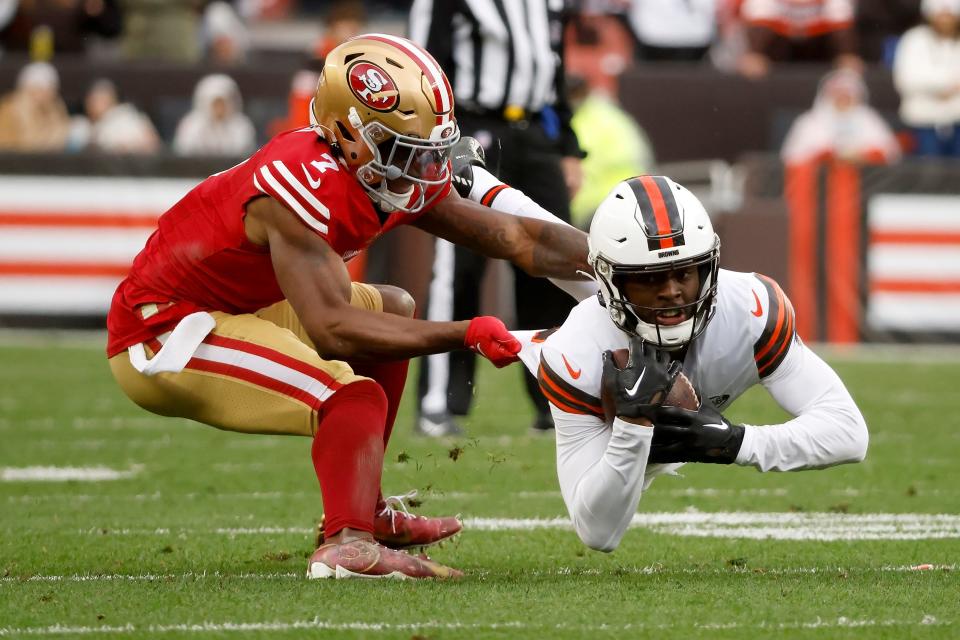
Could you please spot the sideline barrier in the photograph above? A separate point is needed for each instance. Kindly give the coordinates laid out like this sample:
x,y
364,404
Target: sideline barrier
x,y
874,252
865,253
70,227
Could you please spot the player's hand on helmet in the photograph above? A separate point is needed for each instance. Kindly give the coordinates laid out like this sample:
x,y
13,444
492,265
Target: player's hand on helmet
x,y
702,435
464,156
489,337
636,389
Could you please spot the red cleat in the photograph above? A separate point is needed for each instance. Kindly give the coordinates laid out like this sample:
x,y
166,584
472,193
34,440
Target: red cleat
x,y
395,527
366,559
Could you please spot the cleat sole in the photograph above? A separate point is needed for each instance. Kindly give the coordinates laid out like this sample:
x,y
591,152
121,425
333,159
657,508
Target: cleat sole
x,y
320,571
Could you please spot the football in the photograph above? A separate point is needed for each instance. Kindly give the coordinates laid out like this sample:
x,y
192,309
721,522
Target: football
x,y
682,394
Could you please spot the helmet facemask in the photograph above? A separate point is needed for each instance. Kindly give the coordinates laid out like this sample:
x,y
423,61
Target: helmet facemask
x,y
647,230
403,169
629,316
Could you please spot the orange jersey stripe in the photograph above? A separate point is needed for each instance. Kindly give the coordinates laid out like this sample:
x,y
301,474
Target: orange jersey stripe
x,y
549,385
560,404
774,337
490,195
775,360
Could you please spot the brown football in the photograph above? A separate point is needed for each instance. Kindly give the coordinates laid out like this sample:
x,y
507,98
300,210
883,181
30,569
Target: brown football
x,y
682,394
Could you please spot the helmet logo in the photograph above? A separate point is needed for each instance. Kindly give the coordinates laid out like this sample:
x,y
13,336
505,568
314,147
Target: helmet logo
x,y
373,87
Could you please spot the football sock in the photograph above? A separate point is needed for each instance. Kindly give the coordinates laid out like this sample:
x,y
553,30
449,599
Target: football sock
x,y
348,455
392,377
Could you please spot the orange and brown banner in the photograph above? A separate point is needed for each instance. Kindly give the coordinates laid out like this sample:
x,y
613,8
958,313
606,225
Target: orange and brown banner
x,y
872,258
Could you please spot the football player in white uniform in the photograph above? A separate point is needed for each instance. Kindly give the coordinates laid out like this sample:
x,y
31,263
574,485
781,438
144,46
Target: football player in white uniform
x,y
663,295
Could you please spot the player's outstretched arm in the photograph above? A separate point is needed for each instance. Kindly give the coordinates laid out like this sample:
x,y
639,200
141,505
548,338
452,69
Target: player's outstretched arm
x,y
539,247
828,428
315,281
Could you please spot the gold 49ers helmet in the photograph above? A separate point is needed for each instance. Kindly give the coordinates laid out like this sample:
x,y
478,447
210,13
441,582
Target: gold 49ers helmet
x,y
386,107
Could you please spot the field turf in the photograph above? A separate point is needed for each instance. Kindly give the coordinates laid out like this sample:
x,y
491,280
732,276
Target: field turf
x,y
204,533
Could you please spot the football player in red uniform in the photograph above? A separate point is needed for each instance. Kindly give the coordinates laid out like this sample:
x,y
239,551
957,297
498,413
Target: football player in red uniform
x,y
239,312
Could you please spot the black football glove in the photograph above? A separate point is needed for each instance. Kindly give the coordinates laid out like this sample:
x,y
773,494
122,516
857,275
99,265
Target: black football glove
x,y
464,156
637,390
704,435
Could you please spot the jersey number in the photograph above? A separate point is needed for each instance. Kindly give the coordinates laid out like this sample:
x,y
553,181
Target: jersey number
x,y
325,162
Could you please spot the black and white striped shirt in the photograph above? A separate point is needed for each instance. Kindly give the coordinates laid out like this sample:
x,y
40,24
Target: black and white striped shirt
x,y
496,53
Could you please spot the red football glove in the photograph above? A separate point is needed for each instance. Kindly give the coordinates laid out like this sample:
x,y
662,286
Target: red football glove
x,y
489,337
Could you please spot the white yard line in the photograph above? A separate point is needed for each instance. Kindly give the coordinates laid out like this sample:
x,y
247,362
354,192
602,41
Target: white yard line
x,y
723,524
392,627
432,496
66,474
654,569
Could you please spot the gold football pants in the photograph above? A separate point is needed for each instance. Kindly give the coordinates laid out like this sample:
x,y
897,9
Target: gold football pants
x,y
254,373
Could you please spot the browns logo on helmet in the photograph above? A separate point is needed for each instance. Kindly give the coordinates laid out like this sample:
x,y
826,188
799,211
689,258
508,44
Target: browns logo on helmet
x,y
386,107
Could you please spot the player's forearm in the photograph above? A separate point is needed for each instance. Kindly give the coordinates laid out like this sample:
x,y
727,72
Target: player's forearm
x,y
603,497
559,250
828,428
363,335
556,251
823,438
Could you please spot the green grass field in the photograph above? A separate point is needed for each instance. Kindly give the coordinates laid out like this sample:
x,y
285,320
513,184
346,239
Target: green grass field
x,y
206,533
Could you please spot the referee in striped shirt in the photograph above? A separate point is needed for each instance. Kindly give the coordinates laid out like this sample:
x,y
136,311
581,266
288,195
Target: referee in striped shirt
x,y
504,59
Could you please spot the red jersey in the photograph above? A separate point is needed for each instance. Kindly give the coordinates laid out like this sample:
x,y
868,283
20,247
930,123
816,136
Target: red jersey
x,y
199,258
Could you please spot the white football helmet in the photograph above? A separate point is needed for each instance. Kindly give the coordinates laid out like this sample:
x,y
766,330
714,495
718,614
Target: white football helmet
x,y
652,224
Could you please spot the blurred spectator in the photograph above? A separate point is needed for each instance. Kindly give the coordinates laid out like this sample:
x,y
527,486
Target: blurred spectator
x,y
926,72
33,116
111,126
257,10
672,30
225,38
162,30
841,125
216,125
798,31
45,27
302,89
345,19
617,148
879,25
598,47
730,42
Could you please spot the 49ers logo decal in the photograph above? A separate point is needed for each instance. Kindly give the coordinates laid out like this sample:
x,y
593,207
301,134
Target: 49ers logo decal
x,y
373,87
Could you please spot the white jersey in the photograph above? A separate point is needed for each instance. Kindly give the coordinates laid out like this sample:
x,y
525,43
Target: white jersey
x,y
751,339
750,334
